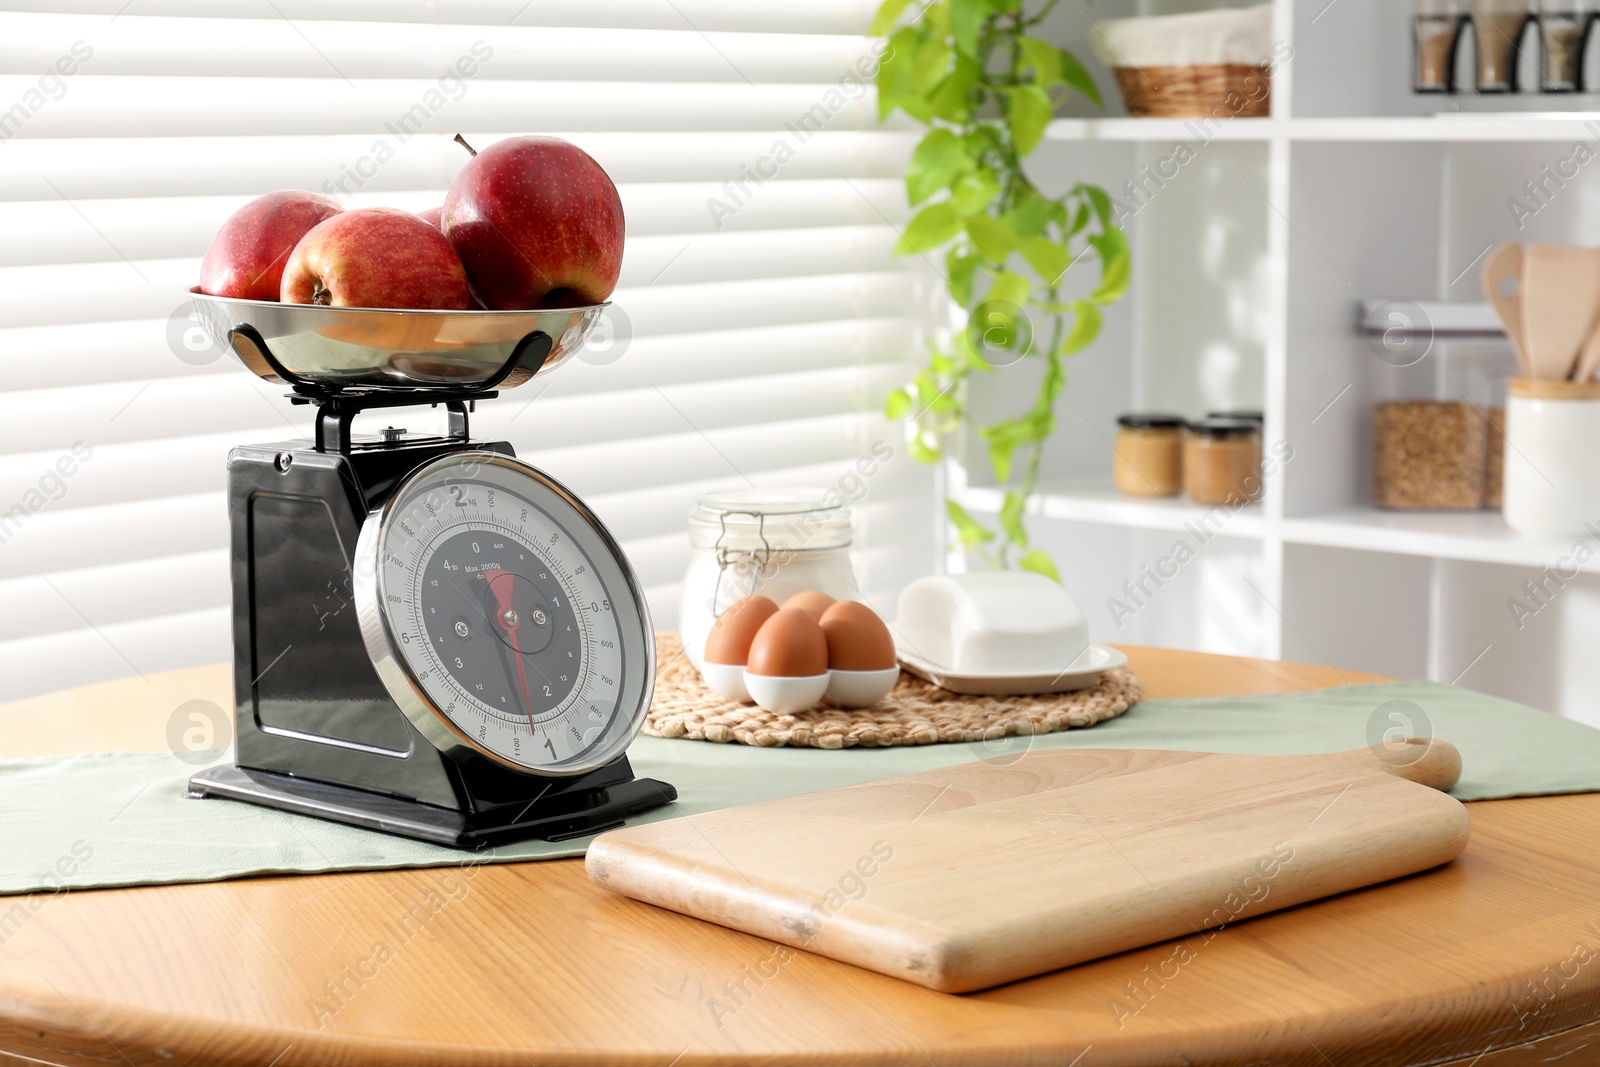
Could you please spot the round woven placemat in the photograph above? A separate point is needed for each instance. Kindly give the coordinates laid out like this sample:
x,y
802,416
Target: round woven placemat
x,y
915,713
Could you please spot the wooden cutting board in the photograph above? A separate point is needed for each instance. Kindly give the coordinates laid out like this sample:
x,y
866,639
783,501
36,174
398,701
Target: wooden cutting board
x,y
986,872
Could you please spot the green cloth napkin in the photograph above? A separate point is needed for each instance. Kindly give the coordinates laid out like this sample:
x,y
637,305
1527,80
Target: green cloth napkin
x,y
121,818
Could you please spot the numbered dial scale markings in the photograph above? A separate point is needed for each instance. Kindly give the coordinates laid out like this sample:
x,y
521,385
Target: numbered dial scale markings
x,y
502,617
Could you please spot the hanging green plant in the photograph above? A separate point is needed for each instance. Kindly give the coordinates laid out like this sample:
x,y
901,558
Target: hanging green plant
x,y
971,71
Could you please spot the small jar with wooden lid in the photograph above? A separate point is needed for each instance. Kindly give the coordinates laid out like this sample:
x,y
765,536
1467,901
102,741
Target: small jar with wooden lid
x,y
1149,460
1222,461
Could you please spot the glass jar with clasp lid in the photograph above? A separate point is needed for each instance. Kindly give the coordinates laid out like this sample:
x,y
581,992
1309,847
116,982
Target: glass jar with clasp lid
x,y
771,542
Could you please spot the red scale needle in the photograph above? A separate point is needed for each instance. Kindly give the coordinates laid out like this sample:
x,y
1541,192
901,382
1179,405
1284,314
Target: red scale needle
x,y
502,584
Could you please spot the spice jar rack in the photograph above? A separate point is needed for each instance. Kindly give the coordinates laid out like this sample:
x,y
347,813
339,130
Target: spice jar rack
x,y
1497,31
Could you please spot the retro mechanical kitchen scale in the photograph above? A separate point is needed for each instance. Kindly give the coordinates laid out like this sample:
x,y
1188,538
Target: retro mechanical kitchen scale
x,y
431,637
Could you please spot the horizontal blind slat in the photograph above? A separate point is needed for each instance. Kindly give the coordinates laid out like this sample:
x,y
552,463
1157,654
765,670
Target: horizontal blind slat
x,y
112,595
245,166
66,356
156,289
53,420
110,107
814,16
452,56
39,664
58,233
183,466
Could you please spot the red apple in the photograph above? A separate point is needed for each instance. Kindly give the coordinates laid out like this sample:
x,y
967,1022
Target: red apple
x,y
375,257
538,224
433,217
247,256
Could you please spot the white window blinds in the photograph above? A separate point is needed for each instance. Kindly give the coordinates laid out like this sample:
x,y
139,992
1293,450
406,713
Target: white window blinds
x,y
762,318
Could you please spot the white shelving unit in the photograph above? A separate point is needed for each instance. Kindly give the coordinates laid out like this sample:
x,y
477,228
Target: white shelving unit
x,y
1250,259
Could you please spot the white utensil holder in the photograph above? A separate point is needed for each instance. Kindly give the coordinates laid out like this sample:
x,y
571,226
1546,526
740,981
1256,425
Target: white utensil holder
x,y
1552,457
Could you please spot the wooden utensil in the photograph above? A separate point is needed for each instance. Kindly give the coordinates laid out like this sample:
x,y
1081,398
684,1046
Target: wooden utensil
x,y
986,872
1502,284
1560,296
1588,357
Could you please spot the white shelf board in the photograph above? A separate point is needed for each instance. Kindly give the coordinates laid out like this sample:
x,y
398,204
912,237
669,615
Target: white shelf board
x,y
1126,129
1478,536
1568,127
1563,128
1097,501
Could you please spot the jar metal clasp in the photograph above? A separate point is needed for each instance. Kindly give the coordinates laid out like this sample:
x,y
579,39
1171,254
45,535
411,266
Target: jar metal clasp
x,y
753,560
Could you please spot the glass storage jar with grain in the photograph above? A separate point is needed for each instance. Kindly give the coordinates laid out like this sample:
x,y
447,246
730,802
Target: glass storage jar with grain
x,y
1149,460
1497,27
1436,29
1222,461
1429,455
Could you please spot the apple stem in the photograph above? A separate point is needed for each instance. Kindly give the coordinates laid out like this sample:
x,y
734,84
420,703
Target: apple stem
x,y
462,141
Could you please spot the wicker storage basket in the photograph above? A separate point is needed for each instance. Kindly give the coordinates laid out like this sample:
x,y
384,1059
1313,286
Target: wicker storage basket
x,y
1233,89
1204,64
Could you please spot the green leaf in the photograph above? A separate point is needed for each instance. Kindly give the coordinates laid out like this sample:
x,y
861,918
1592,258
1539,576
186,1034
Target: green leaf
x,y
887,15
932,65
1101,202
1116,269
1085,328
984,138
1074,74
1009,288
1030,215
933,226
971,532
1000,453
974,190
966,17
938,158
1011,518
961,267
992,237
969,353
897,71
921,452
951,101
1027,113
1044,58
898,405
1039,562
1080,220
1048,258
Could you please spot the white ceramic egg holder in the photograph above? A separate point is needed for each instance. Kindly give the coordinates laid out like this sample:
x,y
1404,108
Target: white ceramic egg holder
x,y
787,696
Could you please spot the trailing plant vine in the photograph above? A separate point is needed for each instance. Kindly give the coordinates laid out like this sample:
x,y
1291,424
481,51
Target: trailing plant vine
x,y
986,88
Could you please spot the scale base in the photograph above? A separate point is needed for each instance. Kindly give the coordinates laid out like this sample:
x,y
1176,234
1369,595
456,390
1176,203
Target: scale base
x,y
568,809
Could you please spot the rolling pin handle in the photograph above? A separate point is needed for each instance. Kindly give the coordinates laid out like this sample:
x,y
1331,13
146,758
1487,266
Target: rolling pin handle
x,y
1424,760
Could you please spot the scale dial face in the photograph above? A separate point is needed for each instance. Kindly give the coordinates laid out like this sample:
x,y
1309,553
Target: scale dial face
x,y
502,617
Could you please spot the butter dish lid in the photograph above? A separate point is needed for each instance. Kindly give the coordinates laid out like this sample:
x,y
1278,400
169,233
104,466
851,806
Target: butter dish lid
x,y
991,623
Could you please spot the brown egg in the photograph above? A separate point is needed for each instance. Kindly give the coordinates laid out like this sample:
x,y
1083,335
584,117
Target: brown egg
x,y
857,639
811,600
789,645
730,636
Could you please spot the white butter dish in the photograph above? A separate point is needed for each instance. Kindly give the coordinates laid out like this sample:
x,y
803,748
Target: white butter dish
x,y
991,622
998,632
1083,673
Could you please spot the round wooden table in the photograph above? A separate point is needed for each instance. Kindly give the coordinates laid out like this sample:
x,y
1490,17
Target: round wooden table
x,y
1489,961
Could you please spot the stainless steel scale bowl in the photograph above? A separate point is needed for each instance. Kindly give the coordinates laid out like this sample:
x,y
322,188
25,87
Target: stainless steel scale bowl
x,y
337,347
